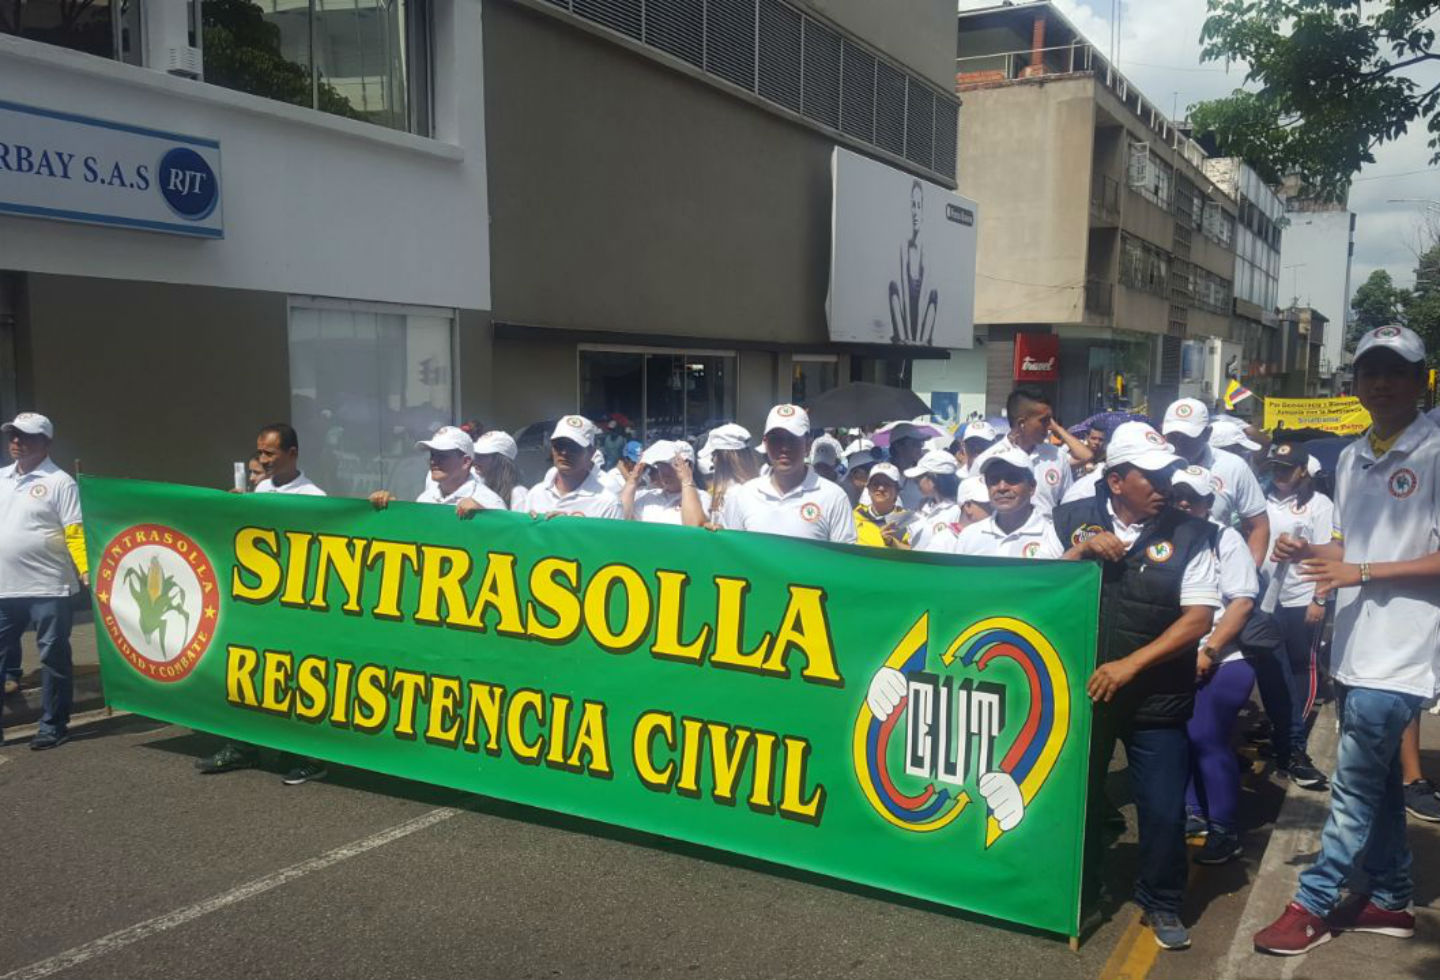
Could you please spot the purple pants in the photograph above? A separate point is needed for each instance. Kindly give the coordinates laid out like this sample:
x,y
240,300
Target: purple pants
x,y
1214,790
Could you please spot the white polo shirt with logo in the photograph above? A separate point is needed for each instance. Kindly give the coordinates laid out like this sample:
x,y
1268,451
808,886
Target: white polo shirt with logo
x,y
1288,516
1200,582
1051,469
35,509
1238,495
816,509
473,488
1387,634
1238,580
1034,539
935,526
1084,487
589,499
655,506
301,486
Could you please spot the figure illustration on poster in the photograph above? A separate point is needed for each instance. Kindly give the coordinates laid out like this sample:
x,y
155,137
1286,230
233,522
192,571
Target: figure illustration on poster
x,y
909,323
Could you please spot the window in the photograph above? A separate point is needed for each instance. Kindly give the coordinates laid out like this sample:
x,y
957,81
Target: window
x,y
811,375
662,394
363,59
366,381
1150,176
107,28
1143,266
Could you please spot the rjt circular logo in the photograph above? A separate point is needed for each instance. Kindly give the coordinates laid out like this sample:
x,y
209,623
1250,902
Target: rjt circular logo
x,y
188,184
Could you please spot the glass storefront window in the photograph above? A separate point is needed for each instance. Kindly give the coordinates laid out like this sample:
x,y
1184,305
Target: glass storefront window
x,y
367,381
811,376
660,394
88,27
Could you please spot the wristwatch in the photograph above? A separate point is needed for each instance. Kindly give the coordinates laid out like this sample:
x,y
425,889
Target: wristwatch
x,y
1364,573
1209,651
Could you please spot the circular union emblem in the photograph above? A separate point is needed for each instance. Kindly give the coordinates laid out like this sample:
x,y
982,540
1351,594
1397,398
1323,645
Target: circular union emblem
x,y
574,421
1385,333
1154,438
159,600
1084,533
1298,508
1160,551
1403,483
39,490
188,184
1194,470
785,411
810,512
1184,411
1030,550
1217,483
1052,477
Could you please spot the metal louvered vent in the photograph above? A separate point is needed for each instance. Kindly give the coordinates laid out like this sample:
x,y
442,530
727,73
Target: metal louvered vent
x,y
730,41
780,53
857,97
920,125
889,109
797,62
618,15
677,27
821,87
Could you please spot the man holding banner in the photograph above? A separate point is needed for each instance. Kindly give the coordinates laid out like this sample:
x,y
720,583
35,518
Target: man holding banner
x,y
572,486
1159,593
791,499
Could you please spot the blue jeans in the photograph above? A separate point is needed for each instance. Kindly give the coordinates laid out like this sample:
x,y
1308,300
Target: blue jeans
x,y
1158,761
1366,826
1288,679
52,617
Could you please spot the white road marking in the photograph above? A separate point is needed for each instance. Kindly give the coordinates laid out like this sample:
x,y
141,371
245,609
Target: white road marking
x,y
142,930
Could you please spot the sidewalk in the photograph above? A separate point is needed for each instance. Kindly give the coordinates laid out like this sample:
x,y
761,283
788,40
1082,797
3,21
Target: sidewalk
x,y
24,708
1292,847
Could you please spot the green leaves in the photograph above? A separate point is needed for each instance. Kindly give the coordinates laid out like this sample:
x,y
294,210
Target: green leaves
x,y
1327,82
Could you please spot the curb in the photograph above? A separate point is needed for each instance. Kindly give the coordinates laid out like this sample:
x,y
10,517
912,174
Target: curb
x,y
1293,844
23,707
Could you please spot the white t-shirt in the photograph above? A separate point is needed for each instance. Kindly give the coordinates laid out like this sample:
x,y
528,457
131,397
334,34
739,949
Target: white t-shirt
x,y
654,506
613,480
1084,487
472,489
1200,584
35,510
519,498
1238,580
1034,539
816,509
1238,495
1288,516
590,499
935,526
1051,469
1387,634
301,485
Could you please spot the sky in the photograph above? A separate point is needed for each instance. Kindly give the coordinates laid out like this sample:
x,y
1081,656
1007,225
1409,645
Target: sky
x,y
1160,54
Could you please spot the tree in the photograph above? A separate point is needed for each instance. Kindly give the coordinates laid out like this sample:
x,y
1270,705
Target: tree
x,y
1422,304
1330,82
242,51
1377,302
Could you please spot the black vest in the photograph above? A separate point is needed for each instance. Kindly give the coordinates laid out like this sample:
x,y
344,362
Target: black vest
x,y
1139,600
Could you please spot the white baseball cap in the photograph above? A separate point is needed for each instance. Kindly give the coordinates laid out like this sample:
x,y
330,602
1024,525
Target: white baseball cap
x,y
860,452
729,436
30,423
665,451
1401,340
448,439
1312,465
825,449
980,429
885,469
790,418
941,443
973,491
496,441
1139,445
1227,431
935,462
1197,478
1007,452
1188,416
576,428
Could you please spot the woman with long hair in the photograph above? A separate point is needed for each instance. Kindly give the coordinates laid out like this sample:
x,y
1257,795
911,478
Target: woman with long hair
x,y
494,460
730,461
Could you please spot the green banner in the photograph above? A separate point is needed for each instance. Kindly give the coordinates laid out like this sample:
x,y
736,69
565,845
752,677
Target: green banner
x,y
917,723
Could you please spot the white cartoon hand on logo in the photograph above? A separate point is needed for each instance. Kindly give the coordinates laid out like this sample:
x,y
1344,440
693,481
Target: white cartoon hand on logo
x,y
887,692
1002,796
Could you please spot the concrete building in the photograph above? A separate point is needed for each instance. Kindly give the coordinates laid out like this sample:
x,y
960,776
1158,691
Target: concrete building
x,y
1302,338
438,209
1097,221
1315,272
1254,353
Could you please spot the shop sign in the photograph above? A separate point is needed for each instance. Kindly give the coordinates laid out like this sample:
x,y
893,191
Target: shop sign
x,y
902,258
1037,357
70,167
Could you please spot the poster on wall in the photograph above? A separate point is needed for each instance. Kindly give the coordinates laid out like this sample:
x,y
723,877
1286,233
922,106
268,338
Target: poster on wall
x,y
902,258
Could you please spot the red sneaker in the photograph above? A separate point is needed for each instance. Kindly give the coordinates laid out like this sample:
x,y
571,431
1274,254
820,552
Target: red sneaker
x,y
1363,915
1298,930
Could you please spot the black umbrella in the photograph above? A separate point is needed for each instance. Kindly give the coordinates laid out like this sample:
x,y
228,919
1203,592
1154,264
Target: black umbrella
x,y
862,403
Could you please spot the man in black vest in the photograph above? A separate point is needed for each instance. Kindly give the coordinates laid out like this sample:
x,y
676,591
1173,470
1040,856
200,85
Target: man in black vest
x,y
1160,589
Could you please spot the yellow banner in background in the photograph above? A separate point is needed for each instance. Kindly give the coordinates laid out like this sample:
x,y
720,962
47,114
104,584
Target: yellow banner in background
x,y
1342,416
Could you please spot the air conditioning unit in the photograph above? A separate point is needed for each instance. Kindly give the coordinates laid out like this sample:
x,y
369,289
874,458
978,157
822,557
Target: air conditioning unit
x,y
173,37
